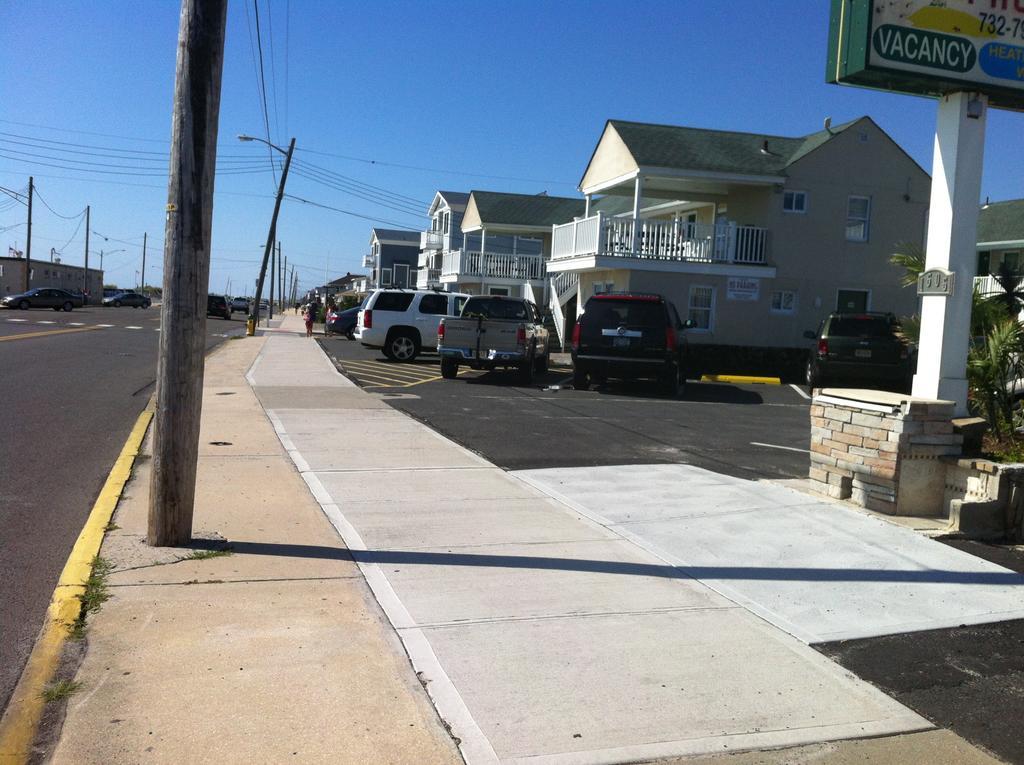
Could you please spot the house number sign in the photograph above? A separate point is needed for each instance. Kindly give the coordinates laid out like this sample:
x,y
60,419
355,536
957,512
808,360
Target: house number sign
x,y
935,281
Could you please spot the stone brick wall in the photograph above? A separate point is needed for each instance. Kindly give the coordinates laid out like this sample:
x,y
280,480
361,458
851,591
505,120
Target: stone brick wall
x,y
881,450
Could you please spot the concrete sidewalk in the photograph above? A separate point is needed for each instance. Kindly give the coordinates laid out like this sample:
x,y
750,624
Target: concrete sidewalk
x,y
540,635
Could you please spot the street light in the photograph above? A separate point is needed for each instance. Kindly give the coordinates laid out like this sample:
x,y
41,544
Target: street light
x,y
272,235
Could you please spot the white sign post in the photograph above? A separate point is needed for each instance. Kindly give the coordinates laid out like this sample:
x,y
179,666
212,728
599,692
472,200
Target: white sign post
x,y
952,226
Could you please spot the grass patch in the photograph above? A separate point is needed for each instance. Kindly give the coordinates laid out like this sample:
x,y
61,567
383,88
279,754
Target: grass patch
x,y
94,596
111,527
206,554
60,690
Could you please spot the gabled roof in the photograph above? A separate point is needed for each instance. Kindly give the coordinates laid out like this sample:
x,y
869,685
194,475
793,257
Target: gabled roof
x,y
457,200
719,151
499,209
395,235
1002,222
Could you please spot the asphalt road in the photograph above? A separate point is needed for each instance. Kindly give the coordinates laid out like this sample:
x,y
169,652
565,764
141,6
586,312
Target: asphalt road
x,y
749,431
71,392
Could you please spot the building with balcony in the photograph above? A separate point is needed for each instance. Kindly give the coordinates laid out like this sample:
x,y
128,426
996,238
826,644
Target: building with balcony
x,y
393,258
754,237
445,235
1000,243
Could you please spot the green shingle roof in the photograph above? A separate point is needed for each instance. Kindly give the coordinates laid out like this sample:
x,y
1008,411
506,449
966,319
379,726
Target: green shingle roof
x,y
1002,222
718,151
496,208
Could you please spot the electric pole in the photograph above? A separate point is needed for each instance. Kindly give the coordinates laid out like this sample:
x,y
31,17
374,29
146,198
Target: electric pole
x,y
85,290
187,234
272,234
145,236
280,279
28,243
273,278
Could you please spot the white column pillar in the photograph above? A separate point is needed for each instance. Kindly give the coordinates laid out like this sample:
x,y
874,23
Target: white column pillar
x,y
638,190
483,254
952,239
586,208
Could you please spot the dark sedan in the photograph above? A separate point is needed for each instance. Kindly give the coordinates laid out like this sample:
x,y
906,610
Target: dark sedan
x,y
43,297
218,305
344,323
133,299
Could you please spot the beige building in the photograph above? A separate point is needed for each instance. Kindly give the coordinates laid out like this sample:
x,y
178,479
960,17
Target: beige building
x,y
43,273
755,238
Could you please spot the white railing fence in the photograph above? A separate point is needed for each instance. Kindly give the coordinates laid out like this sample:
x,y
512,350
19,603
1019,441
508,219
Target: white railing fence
x,y
427,277
660,240
563,286
492,265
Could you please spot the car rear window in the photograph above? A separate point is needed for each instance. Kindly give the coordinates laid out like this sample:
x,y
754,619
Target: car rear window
x,y
495,308
860,326
630,313
393,301
434,304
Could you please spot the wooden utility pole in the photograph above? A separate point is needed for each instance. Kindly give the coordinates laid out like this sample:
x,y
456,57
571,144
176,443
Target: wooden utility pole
x,y
282,268
28,243
85,289
187,234
273,278
145,236
272,234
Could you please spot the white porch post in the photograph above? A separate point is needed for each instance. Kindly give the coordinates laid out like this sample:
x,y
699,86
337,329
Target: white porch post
x,y
952,233
483,254
638,190
586,207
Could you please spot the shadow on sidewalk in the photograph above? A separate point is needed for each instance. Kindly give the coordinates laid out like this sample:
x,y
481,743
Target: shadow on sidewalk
x,y
751,573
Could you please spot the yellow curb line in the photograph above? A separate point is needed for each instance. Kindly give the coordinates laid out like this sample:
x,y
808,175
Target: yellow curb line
x,y
741,379
18,726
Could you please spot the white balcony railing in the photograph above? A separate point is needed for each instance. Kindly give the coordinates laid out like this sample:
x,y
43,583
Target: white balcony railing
x,y
660,240
427,278
431,240
491,265
369,261
987,285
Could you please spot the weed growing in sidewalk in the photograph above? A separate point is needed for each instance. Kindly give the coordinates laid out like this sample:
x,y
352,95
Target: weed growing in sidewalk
x,y
206,554
94,596
60,690
111,527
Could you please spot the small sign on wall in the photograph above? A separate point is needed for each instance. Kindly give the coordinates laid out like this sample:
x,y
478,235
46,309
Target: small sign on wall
x,y
935,281
740,288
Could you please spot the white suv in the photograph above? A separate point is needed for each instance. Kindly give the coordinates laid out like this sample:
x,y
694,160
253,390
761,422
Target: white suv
x,y
398,320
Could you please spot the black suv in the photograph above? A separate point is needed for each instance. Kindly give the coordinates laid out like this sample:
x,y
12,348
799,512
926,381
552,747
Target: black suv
x,y
218,305
628,336
864,349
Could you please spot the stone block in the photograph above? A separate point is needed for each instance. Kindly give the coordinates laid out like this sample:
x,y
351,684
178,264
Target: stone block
x,y
938,427
839,492
870,443
818,422
817,410
820,433
864,451
825,460
848,438
817,448
873,483
949,438
868,420
840,415
818,474
835,446
888,446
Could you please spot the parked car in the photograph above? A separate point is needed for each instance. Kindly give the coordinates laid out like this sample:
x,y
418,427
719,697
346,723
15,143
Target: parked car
x,y
397,321
44,297
860,349
129,298
344,323
630,336
494,331
217,305
240,305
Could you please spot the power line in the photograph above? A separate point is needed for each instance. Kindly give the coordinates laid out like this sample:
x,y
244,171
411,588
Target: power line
x,y
345,179
47,205
156,155
353,214
273,68
405,209
263,83
77,228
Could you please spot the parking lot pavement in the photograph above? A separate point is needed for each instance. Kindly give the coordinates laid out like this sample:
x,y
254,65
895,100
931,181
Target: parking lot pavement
x,y
750,431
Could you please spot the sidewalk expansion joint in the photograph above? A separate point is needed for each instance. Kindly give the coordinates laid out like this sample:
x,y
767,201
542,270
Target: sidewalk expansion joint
x,y
329,471
570,615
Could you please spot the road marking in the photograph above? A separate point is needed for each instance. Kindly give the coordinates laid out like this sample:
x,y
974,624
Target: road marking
x,y
18,727
799,390
45,332
104,325
776,446
133,327
46,322
76,323
17,320
741,379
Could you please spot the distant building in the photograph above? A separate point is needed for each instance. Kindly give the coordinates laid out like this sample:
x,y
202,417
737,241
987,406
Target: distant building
x,y
394,254
1000,242
43,273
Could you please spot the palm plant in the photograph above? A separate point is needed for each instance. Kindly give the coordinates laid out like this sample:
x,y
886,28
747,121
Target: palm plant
x,y
909,257
992,368
1011,294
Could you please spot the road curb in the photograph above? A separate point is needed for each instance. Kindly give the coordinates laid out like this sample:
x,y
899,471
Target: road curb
x,y
750,379
25,709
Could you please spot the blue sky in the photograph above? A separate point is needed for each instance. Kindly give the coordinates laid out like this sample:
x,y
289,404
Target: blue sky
x,y
506,97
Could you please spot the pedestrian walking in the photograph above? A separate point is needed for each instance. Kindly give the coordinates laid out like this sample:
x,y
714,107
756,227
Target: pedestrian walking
x,y
309,317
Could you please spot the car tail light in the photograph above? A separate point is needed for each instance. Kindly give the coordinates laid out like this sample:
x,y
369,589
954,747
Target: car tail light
x,y
670,339
367,319
521,335
576,335
440,331
823,347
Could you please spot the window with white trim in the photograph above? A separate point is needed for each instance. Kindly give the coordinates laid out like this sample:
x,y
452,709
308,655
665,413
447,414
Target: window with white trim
x,y
794,201
858,218
701,307
783,301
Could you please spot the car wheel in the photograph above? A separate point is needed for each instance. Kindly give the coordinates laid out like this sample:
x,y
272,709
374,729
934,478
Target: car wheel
x,y
67,306
401,346
449,369
670,381
541,364
526,371
228,316
351,334
117,304
580,380
814,378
